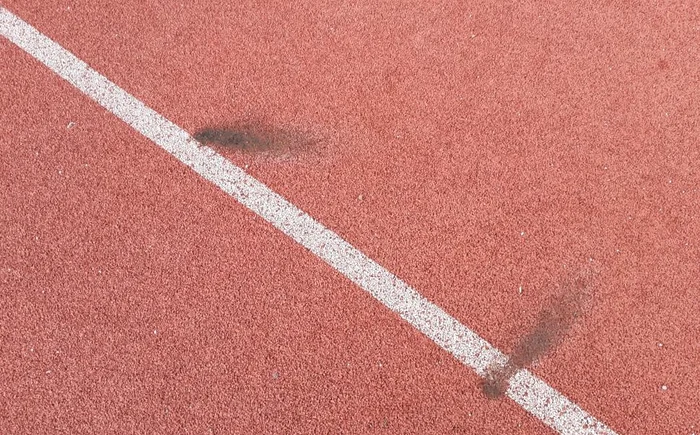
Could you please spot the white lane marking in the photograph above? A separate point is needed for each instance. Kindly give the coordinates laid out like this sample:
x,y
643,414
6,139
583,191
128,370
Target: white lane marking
x,y
530,392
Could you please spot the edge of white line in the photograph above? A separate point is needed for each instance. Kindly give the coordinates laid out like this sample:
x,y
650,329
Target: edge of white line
x,y
530,392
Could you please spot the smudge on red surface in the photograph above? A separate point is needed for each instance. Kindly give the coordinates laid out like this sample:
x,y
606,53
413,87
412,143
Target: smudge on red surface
x,y
554,323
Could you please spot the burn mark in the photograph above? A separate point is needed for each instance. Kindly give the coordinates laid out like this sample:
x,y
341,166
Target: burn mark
x,y
255,137
230,137
554,323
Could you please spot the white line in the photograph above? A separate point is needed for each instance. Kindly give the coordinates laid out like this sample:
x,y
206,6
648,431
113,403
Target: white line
x,y
530,392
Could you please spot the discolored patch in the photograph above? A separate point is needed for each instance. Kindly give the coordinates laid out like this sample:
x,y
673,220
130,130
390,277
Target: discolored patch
x,y
495,384
256,137
553,324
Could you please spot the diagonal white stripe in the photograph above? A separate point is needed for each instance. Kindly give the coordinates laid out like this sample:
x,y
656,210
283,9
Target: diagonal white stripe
x,y
530,392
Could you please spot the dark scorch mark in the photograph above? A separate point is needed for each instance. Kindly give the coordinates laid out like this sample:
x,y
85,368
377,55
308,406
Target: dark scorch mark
x,y
554,322
255,137
234,138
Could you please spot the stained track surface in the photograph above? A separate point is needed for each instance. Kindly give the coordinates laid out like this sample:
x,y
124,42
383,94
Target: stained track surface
x,y
482,153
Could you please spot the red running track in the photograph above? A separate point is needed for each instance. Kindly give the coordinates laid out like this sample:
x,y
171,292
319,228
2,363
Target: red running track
x,y
472,149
